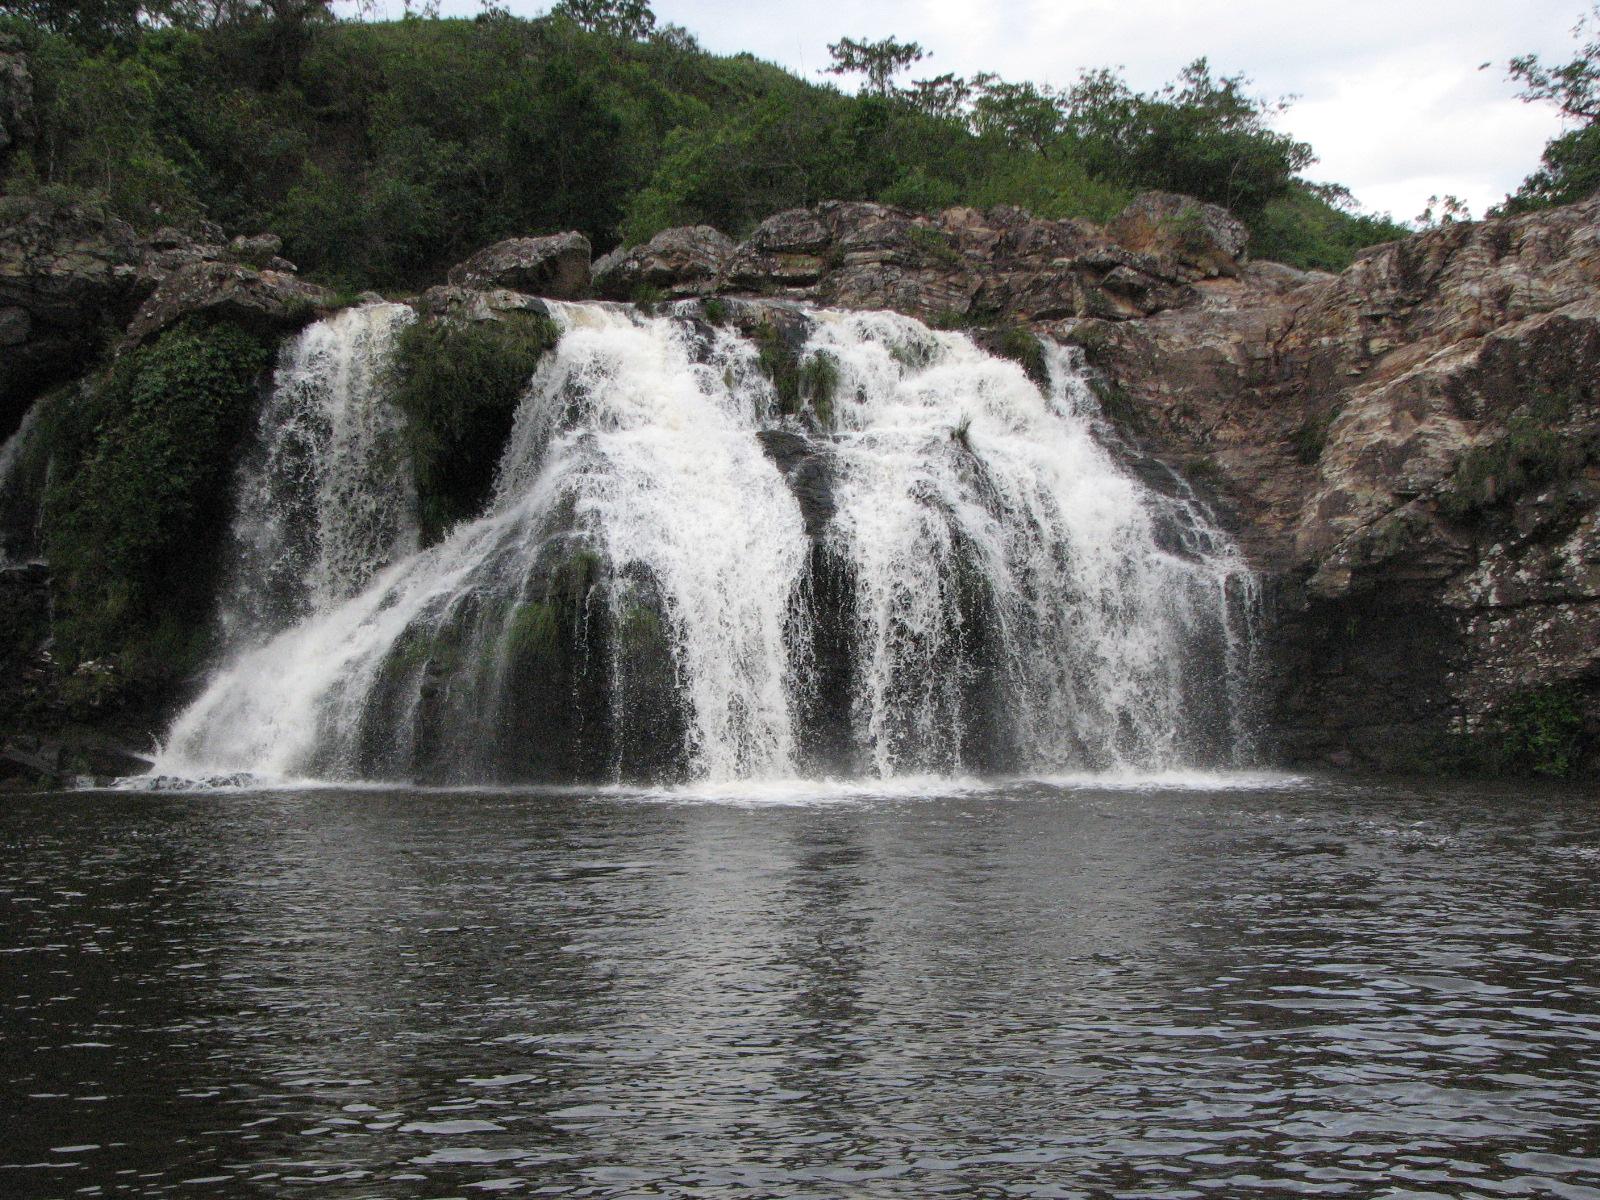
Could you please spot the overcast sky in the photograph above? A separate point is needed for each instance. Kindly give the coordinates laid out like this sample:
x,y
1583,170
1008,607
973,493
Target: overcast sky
x,y
1390,94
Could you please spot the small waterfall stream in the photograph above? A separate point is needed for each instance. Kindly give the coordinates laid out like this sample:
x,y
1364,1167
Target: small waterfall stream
x,y
678,578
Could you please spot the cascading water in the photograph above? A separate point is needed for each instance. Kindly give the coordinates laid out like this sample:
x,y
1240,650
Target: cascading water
x,y
323,499
18,493
681,574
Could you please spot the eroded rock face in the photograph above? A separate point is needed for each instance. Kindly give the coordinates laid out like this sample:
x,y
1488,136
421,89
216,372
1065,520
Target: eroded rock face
x,y
1203,238
676,262
959,266
228,291
72,279
1412,452
556,266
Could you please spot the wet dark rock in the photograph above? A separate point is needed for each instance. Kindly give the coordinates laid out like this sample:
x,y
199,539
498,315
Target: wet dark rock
x,y
226,291
805,467
555,266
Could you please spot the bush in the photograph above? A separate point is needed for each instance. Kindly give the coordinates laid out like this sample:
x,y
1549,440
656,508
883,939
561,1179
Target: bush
x,y
138,497
1528,456
1542,731
459,385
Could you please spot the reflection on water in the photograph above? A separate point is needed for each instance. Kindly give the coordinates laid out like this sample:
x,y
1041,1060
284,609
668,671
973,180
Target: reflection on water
x,y
1029,989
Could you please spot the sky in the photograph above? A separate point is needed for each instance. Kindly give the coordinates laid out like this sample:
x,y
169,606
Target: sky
x,y
1389,92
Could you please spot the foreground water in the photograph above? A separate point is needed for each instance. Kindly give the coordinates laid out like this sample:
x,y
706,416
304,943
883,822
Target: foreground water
x,y
1291,987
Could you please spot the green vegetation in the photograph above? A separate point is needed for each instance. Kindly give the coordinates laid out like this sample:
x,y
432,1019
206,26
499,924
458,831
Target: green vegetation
x,y
136,499
1118,406
1021,347
1541,731
535,629
800,382
1528,456
459,384
1570,169
383,152
1312,435
1317,227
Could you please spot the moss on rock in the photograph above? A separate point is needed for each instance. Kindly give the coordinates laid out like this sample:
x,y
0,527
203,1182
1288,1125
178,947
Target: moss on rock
x,y
138,495
459,384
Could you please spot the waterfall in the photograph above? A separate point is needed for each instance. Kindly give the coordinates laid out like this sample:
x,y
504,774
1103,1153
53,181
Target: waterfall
x,y
683,573
322,496
20,490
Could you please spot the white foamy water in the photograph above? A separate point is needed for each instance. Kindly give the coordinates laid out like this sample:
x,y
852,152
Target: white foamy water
x,y
17,512
323,497
975,510
640,600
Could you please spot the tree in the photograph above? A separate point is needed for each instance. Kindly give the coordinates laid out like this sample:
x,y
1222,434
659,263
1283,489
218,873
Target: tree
x,y
943,96
1443,210
1201,135
880,61
1019,114
629,19
1570,167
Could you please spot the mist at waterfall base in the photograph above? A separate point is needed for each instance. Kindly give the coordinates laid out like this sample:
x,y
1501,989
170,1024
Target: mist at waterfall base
x,y
939,571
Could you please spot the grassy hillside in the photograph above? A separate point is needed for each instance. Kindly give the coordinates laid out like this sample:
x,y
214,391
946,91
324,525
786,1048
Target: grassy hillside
x,y
382,152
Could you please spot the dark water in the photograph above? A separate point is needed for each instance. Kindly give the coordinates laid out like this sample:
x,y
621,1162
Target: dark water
x,y
1034,991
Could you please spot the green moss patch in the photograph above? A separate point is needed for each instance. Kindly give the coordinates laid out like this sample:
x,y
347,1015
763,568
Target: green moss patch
x,y
459,385
138,497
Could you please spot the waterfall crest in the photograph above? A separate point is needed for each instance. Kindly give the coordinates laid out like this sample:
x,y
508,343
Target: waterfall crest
x,y
683,574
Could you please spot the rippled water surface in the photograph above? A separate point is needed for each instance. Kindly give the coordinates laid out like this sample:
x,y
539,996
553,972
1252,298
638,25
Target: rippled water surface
x,y
1031,989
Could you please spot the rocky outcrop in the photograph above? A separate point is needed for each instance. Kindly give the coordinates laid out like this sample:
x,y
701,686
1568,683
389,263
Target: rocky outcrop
x,y
1411,450
72,278
228,291
1203,238
681,262
556,266
958,267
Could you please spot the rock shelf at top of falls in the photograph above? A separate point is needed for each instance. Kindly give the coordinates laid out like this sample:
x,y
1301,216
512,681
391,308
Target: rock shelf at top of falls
x,y
918,561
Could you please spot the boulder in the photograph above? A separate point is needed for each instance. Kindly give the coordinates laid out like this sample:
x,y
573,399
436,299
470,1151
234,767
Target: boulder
x,y
681,262
475,304
228,291
555,266
260,251
1205,239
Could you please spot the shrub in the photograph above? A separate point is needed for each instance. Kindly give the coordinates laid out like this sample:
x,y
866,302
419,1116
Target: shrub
x,y
138,492
1542,731
1311,437
459,384
1528,456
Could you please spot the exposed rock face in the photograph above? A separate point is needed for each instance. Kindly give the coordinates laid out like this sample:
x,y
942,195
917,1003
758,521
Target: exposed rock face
x,y
677,262
1412,450
70,279
557,266
228,291
1204,238
473,304
962,265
